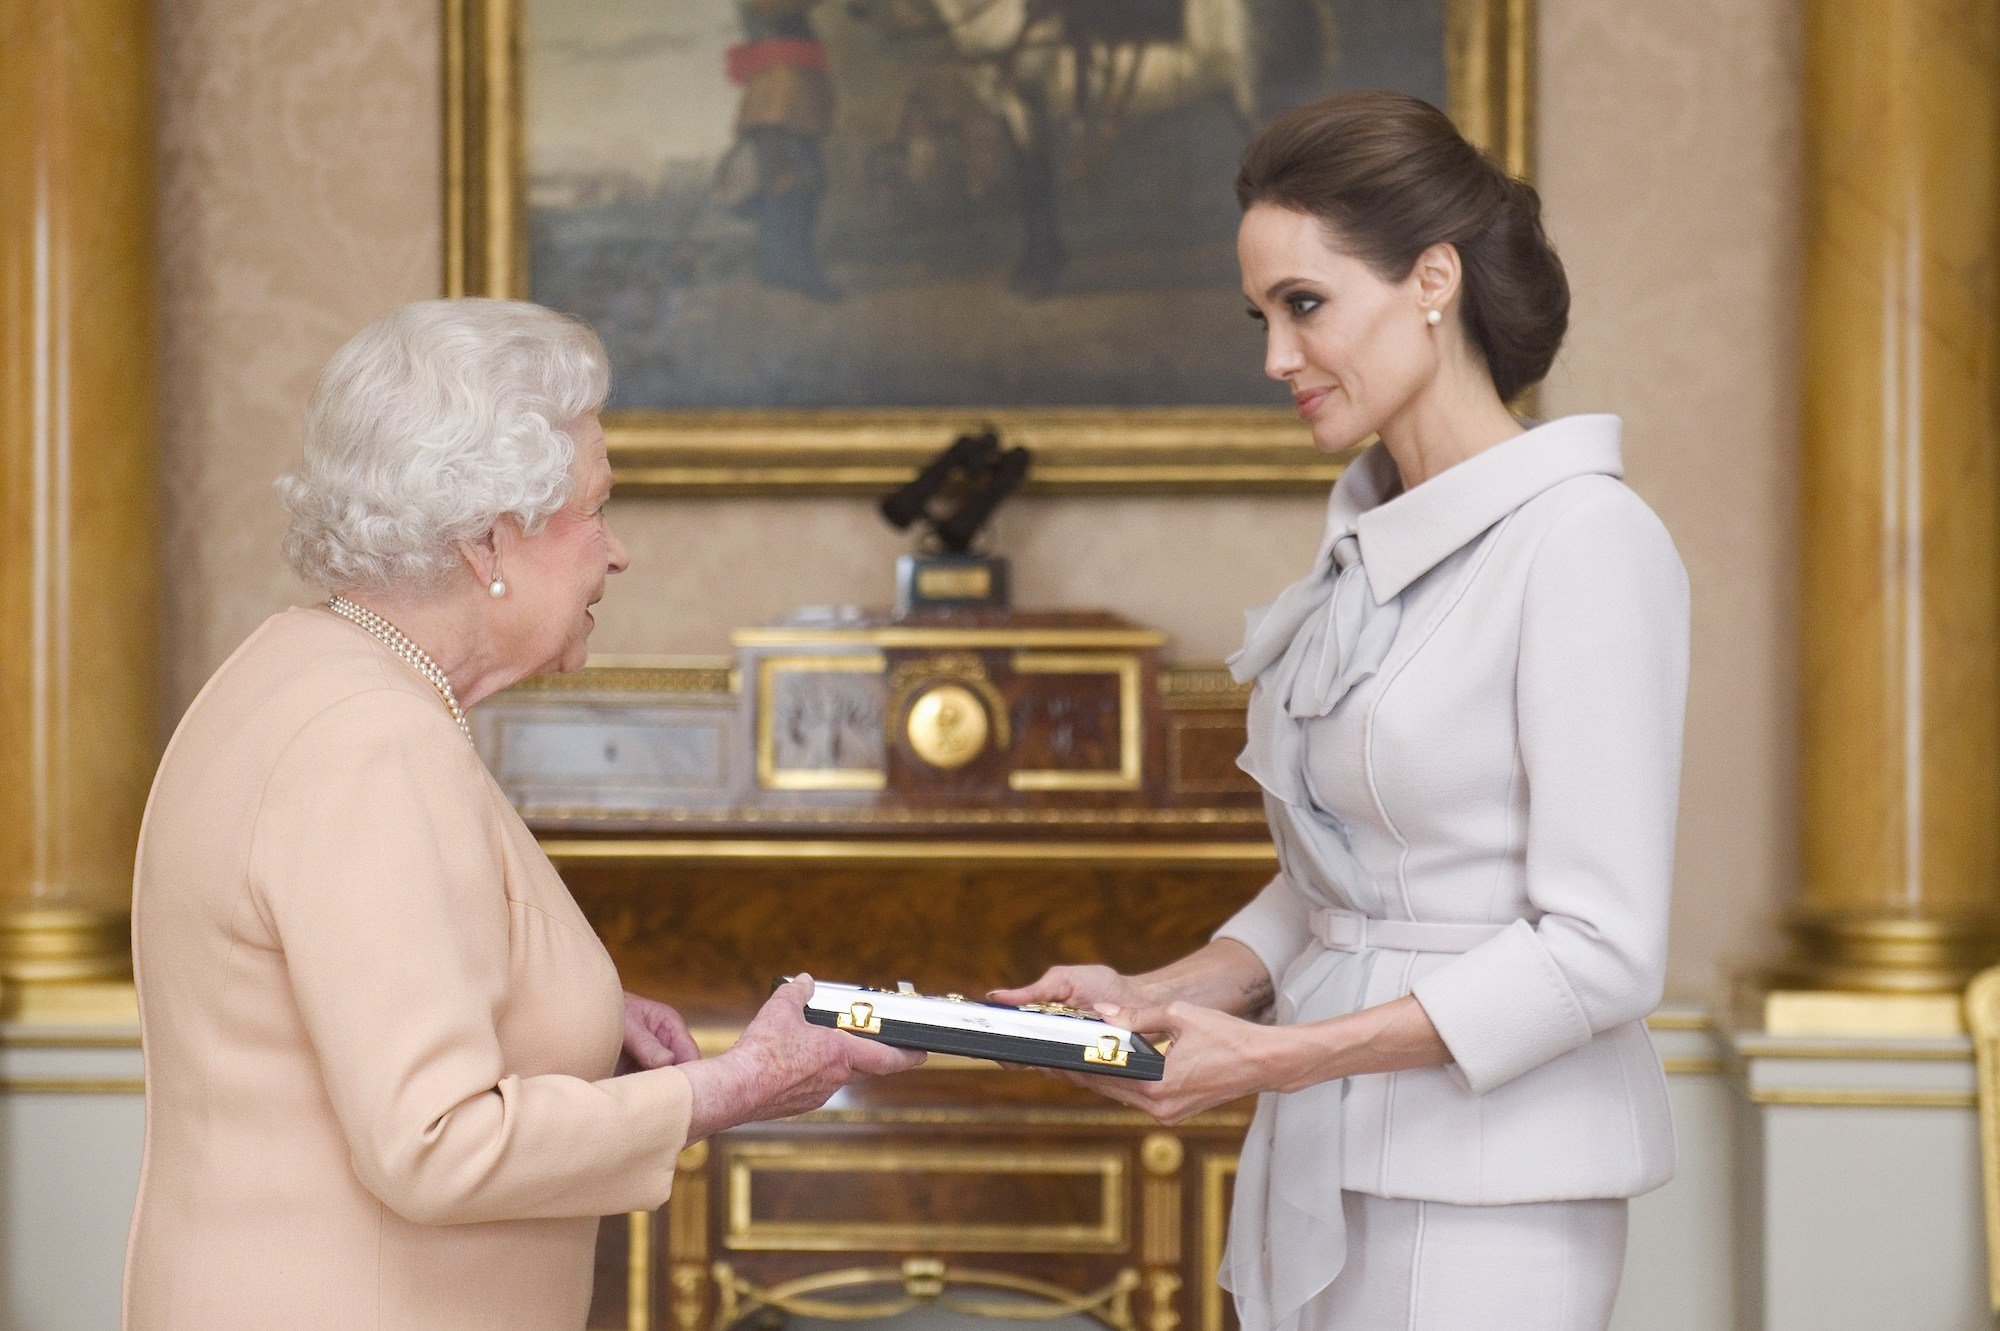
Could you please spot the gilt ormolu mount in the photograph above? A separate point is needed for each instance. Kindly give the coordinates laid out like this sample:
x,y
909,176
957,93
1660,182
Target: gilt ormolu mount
x,y
953,496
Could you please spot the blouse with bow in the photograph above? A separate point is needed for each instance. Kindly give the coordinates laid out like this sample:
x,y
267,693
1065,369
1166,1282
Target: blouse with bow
x,y
1467,725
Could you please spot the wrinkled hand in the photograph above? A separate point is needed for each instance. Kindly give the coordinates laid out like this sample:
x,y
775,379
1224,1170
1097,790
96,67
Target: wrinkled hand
x,y
783,1065
655,1037
1078,986
1215,1058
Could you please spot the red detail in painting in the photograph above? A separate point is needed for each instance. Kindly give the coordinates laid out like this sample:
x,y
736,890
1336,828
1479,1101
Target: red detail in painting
x,y
746,60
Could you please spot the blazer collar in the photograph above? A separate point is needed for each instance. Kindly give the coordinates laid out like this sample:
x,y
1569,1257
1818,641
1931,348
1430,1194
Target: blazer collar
x,y
1405,534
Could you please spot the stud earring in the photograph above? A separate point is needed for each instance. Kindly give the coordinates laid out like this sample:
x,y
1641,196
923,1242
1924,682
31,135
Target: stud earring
x,y
496,588
1434,317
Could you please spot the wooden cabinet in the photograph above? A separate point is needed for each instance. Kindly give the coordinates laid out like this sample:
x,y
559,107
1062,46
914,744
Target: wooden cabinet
x,y
976,1189
727,822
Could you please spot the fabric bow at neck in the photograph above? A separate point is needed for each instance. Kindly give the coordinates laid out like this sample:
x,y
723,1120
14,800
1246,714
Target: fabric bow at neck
x,y
1322,636
1306,650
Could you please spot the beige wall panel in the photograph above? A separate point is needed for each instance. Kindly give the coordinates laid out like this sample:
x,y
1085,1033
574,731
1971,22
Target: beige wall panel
x,y
300,155
300,197
1669,161
1187,566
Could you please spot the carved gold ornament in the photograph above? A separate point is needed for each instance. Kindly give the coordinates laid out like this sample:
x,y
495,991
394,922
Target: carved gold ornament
x,y
948,726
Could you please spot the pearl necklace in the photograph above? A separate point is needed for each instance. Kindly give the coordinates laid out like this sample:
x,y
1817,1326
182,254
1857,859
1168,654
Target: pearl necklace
x,y
417,659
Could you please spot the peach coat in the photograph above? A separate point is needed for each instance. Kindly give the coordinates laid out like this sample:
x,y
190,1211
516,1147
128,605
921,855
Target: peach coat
x,y
379,1034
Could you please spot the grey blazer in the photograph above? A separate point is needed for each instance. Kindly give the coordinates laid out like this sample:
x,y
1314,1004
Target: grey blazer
x,y
1511,769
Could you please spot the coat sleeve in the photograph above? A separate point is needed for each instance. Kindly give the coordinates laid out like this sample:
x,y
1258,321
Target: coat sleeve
x,y
1600,692
1273,924
376,865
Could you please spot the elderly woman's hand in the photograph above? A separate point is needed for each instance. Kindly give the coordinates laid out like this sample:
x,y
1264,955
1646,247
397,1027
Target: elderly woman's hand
x,y
783,1065
655,1037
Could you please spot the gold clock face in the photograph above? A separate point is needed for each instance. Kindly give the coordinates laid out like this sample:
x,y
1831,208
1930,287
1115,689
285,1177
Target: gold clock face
x,y
947,726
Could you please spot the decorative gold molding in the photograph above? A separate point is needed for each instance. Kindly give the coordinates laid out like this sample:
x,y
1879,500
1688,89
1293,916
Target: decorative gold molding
x,y
690,1296
1855,1051
639,1271
1675,1066
1216,1173
1681,1020
1982,1013
1182,687
746,1161
485,252
925,1281
72,1086
1490,89
1201,817
1130,772
65,1007
769,774
1860,1097
1805,1013
1165,1286
1489,69
1076,852
687,1222
1161,1153
1915,964
698,675
54,948
17,1035
1202,688
929,638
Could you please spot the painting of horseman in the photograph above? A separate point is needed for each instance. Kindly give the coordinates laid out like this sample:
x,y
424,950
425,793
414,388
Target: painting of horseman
x,y
922,203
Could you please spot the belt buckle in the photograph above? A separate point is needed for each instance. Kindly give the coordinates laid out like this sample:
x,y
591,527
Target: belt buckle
x,y
1343,931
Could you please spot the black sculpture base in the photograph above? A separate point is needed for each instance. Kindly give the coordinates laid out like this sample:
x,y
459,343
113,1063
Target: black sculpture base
x,y
930,583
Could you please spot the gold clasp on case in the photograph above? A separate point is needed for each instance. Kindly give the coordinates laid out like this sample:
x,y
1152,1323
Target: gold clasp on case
x,y
1109,1050
860,1018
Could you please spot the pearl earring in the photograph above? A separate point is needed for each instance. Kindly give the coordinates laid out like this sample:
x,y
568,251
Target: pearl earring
x,y
1434,317
496,589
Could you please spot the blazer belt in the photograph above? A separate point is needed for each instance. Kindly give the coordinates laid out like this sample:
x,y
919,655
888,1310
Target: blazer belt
x,y
1347,931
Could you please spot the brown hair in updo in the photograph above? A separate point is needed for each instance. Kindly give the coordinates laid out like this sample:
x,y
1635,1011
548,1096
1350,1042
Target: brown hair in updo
x,y
1389,175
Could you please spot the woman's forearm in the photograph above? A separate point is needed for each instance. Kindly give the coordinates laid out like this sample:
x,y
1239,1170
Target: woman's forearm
x,y
1224,975
1389,1037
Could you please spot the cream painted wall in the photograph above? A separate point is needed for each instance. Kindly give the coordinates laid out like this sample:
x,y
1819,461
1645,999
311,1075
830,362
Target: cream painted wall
x,y
300,184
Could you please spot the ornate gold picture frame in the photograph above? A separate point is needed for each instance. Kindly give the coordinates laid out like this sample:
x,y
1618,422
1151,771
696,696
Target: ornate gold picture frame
x,y
1141,448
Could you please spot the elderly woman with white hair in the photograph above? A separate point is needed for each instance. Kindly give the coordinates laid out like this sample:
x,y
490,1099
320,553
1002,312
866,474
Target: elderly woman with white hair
x,y
380,1037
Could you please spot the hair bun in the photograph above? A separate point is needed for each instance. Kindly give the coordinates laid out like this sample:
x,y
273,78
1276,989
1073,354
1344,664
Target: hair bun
x,y
1521,309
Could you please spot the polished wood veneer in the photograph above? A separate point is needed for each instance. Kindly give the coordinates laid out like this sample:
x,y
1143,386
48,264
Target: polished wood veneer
x,y
681,803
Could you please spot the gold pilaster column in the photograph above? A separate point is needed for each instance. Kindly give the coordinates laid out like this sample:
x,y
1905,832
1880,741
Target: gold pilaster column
x,y
78,638
1901,550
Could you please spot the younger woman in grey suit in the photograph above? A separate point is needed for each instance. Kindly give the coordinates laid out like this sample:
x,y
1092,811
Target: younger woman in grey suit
x,y
1467,724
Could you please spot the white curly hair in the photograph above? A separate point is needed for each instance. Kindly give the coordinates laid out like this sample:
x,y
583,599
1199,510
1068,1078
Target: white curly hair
x,y
431,424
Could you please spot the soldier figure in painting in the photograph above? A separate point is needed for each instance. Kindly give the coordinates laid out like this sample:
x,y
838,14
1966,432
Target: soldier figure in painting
x,y
784,118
